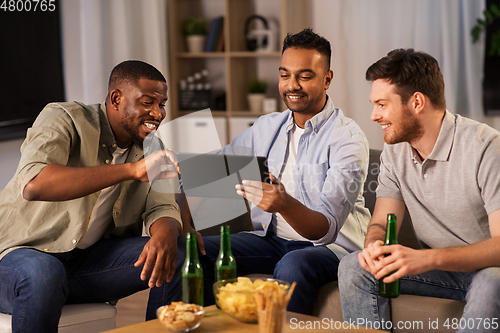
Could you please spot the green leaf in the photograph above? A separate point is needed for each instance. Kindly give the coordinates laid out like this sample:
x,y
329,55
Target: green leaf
x,y
481,22
495,10
475,32
488,15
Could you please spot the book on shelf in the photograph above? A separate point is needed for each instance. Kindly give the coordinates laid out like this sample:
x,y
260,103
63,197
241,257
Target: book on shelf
x,y
220,43
214,35
211,35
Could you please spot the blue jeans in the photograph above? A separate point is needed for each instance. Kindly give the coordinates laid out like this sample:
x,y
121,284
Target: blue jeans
x,y
310,266
359,292
34,286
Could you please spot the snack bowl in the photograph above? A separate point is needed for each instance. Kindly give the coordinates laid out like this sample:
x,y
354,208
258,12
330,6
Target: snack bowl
x,y
235,297
180,317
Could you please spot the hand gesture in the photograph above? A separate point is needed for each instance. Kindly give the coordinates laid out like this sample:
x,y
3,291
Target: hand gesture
x,y
156,166
269,197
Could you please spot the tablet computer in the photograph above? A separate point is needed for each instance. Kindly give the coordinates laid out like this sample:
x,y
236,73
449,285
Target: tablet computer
x,y
215,175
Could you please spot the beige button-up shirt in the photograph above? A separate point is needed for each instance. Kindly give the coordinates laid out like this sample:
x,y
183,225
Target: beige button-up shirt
x,y
76,135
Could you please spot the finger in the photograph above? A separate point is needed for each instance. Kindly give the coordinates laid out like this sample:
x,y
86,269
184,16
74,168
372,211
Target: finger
x,y
171,265
252,183
253,198
160,272
273,179
201,243
365,258
140,261
171,154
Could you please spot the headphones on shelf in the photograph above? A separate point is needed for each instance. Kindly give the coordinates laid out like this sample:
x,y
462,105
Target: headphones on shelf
x,y
253,42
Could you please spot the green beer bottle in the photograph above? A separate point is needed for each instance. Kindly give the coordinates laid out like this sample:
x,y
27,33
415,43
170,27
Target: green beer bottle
x,y
390,290
192,273
225,265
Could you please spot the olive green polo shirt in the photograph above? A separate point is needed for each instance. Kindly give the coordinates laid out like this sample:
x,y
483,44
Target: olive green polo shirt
x,y
450,194
75,135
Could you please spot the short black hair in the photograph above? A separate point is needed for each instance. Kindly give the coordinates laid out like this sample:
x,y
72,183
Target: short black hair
x,y
411,71
132,71
308,39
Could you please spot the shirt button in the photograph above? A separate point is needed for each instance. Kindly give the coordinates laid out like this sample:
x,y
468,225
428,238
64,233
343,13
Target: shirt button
x,y
45,250
264,226
315,130
285,141
426,176
107,161
73,241
276,170
103,145
113,145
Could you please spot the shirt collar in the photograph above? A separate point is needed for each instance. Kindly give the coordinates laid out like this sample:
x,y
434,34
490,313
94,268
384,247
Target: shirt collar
x,y
317,121
444,142
107,137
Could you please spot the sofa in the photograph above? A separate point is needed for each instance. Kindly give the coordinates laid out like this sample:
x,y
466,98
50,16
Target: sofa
x,y
411,313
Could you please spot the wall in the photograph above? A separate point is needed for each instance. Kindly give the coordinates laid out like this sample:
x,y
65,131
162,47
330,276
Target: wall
x,y
9,150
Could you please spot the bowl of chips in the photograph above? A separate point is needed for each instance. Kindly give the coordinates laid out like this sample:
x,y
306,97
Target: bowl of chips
x,y
236,297
180,317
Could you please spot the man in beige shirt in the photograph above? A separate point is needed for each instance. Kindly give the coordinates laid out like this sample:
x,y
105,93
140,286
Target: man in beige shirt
x,y
74,212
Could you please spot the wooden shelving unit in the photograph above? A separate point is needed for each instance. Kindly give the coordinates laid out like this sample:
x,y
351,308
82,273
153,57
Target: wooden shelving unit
x,y
232,69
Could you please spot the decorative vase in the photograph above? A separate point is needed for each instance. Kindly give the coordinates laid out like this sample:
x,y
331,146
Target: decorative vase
x,y
196,43
255,102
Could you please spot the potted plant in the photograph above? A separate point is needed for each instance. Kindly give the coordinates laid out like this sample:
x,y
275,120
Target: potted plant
x,y
195,29
256,94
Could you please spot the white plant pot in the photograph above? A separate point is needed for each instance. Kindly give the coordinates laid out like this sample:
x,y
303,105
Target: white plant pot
x,y
196,43
255,102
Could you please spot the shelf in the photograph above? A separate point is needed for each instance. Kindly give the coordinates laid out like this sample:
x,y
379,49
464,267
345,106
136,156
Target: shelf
x,y
201,55
248,54
232,70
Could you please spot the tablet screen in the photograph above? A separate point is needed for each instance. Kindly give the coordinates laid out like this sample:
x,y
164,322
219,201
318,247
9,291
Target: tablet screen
x,y
215,175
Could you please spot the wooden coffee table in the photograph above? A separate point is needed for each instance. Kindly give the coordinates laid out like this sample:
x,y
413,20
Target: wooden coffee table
x,y
216,320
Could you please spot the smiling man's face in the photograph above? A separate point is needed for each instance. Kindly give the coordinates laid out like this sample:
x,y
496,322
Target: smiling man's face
x,y
397,120
304,79
142,109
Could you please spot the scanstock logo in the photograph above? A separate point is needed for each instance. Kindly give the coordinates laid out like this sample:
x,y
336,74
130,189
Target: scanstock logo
x,y
208,172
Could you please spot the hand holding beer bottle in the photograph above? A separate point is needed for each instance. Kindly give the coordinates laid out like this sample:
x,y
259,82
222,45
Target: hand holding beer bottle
x,y
389,290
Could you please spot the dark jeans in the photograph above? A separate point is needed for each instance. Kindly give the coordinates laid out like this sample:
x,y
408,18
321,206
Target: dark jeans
x,y
34,286
310,266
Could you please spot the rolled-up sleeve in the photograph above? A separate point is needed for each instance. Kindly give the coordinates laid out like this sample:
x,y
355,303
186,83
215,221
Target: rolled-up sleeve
x,y
47,142
161,203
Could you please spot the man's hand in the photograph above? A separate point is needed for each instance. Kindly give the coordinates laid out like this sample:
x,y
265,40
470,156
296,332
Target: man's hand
x,y
160,252
366,258
382,260
269,197
153,166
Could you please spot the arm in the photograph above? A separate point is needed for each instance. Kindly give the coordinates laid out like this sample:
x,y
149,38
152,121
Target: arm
x,y
57,182
273,198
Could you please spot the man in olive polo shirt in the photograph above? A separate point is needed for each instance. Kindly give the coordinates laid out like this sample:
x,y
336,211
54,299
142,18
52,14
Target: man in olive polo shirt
x,y
73,215
445,169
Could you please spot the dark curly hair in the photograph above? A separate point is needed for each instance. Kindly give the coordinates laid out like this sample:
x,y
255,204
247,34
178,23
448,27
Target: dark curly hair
x,y
411,71
132,71
308,39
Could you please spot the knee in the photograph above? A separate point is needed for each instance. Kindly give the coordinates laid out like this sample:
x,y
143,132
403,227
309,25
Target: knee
x,y
43,277
350,272
293,266
486,283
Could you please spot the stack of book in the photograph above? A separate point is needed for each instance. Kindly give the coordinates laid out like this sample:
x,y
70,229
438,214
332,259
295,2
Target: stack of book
x,y
215,40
